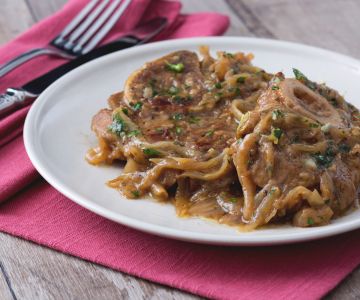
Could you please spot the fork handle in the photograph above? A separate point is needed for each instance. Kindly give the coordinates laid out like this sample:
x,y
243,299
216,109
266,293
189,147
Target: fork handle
x,y
24,57
14,98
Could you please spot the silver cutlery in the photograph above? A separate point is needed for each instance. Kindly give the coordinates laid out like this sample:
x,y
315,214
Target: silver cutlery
x,y
80,36
19,97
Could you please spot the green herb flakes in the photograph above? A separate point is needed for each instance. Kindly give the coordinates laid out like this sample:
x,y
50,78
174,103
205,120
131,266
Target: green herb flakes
x,y
230,55
177,99
301,77
272,191
314,125
275,88
344,148
117,126
133,133
159,130
276,80
275,135
310,221
136,193
277,114
333,102
177,116
151,152
218,85
137,106
152,83
177,68
241,79
125,111
173,90
178,130
209,133
233,200
324,160
194,119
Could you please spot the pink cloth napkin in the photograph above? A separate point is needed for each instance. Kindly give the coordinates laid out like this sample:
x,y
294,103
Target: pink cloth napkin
x,y
37,212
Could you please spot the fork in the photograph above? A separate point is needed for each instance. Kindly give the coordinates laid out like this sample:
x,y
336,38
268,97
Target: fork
x,y
84,32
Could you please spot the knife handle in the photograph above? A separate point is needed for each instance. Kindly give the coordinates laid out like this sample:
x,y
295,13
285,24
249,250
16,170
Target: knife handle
x,y
14,98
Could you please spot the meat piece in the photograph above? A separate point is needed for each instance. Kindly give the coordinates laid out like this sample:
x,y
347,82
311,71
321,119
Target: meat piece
x,y
100,124
157,79
115,100
297,97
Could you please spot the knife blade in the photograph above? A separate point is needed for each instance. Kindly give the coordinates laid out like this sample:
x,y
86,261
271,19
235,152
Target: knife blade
x,y
18,97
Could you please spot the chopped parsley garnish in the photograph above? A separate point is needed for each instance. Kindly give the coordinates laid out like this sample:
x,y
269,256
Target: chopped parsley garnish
x,y
151,152
218,95
218,85
125,111
310,221
272,191
177,99
209,133
233,199
194,119
118,125
173,90
187,86
324,160
177,68
177,117
135,193
275,135
276,114
277,132
301,77
179,143
137,106
241,79
314,125
275,88
334,102
178,130
180,100
152,85
133,133
159,130
344,148
230,55
276,80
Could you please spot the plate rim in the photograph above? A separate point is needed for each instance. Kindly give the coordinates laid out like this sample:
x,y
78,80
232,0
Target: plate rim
x,y
243,239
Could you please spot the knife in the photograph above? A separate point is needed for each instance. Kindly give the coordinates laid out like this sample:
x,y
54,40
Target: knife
x,y
19,97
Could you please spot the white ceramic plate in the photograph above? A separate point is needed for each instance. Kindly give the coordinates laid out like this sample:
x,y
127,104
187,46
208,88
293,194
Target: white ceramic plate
x,y
57,135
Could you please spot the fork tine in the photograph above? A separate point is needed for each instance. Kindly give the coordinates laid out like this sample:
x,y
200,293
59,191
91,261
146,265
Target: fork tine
x,y
75,21
85,24
98,24
105,29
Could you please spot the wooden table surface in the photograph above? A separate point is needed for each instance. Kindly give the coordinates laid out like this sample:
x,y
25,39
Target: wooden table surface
x,y
30,271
